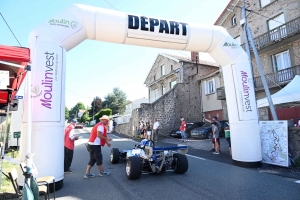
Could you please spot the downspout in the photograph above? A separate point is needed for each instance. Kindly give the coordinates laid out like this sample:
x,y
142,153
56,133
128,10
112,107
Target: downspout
x,y
201,103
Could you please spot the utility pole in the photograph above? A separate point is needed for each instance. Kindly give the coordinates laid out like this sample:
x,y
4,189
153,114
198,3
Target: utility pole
x,y
93,108
259,66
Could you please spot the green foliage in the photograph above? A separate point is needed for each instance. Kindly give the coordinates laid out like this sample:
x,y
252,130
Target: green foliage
x,y
96,106
67,113
116,101
75,109
85,117
105,111
297,162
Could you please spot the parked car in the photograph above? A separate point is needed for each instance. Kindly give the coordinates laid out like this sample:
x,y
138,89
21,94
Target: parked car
x,y
78,126
176,133
206,132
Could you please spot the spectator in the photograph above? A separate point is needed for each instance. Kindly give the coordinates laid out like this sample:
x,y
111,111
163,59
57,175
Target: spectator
x,y
114,125
156,126
214,119
148,130
227,136
215,131
143,128
69,145
98,138
183,130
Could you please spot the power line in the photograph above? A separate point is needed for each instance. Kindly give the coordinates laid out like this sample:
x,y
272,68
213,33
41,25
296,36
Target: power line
x,y
10,29
111,5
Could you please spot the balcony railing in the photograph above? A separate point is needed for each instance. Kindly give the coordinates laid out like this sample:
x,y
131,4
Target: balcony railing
x,y
281,32
221,93
281,77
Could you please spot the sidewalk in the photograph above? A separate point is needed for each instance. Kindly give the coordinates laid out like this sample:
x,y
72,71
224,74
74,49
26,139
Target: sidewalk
x,y
200,148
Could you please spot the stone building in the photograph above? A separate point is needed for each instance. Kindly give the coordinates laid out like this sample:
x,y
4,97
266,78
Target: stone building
x,y
174,92
275,26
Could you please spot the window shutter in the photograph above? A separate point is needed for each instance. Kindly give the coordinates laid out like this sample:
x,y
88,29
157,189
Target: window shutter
x,y
214,85
205,87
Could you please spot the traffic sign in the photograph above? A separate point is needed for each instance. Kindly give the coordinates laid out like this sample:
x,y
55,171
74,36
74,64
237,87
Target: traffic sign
x,y
17,134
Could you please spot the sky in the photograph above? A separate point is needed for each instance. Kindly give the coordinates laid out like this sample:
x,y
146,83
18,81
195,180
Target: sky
x,y
94,68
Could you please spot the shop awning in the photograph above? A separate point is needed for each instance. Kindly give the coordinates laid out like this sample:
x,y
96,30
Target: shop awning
x,y
13,60
290,93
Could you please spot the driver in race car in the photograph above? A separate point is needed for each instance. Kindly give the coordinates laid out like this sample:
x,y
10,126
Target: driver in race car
x,y
98,138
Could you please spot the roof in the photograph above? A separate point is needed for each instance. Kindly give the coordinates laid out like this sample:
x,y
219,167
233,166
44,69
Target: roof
x,y
13,60
186,59
211,75
226,12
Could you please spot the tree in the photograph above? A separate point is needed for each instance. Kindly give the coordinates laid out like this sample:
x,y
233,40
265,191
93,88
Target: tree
x,y
116,101
96,106
105,111
66,113
85,117
75,109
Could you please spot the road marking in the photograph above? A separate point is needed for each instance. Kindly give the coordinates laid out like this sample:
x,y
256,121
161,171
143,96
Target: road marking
x,y
297,181
121,139
195,157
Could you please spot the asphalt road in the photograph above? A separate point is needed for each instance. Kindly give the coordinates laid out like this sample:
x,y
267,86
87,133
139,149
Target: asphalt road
x,y
205,179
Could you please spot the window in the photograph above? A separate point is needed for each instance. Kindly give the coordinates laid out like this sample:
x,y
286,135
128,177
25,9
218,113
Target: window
x,y
281,60
233,21
154,77
263,3
154,95
210,86
162,70
238,40
171,67
172,84
273,24
163,89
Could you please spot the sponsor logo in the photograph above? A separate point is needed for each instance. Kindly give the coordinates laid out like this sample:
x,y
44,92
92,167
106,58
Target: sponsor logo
x,y
63,22
35,91
46,99
231,44
245,95
151,24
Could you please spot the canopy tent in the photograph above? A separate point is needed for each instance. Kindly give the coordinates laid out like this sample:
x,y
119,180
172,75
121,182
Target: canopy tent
x,y
13,60
290,93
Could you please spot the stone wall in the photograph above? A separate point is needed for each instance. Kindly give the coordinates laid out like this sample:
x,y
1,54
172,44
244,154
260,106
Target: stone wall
x,y
294,142
182,101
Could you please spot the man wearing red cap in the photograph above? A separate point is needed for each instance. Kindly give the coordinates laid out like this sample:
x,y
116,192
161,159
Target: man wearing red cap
x,y
69,145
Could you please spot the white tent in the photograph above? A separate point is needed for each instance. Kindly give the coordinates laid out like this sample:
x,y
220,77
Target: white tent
x,y
290,93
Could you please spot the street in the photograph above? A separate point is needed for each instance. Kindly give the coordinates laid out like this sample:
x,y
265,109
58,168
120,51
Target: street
x,y
205,179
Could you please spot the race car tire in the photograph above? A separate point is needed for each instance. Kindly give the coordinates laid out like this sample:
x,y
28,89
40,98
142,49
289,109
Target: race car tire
x,y
114,155
133,168
180,163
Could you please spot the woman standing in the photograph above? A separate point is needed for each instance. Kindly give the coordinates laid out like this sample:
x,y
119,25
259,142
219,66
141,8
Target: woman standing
x,y
148,130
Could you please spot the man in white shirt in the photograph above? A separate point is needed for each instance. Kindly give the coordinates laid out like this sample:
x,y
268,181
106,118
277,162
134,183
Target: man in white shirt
x,y
155,130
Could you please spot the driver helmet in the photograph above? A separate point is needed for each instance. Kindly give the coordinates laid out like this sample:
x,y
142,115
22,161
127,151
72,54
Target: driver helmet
x,y
144,142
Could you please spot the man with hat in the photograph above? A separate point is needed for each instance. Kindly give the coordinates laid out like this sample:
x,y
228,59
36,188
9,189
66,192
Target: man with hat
x,y
183,130
214,119
98,138
69,145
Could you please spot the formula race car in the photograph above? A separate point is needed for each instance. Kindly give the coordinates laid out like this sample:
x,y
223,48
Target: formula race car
x,y
146,158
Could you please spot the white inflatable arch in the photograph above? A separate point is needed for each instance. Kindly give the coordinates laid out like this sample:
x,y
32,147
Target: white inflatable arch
x,y
50,42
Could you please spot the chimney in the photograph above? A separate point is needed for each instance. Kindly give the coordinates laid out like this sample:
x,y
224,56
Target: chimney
x,y
195,56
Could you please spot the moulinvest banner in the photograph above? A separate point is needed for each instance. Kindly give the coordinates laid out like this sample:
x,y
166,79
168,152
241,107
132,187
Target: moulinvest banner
x,y
46,85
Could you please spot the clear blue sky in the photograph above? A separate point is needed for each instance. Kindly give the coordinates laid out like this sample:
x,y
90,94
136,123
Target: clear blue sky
x,y
94,68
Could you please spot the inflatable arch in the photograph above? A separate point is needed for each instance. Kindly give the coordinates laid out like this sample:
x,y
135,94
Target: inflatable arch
x,y
50,42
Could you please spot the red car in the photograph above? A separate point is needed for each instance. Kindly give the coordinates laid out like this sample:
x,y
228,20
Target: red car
x,y
78,126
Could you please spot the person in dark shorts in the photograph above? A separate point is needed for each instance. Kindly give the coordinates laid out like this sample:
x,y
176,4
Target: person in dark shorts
x,y
215,131
98,138
227,136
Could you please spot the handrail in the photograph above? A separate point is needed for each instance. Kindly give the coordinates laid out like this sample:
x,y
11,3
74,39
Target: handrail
x,y
277,34
280,77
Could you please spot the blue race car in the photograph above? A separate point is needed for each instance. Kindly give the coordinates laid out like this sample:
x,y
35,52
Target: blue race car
x,y
147,158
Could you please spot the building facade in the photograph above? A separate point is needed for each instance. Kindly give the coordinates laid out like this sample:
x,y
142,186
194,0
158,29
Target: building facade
x,y
174,92
275,26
